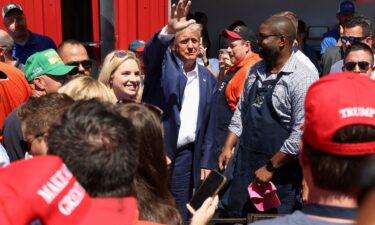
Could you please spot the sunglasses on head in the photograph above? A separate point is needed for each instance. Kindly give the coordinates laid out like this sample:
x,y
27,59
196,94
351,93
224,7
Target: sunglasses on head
x,y
87,64
351,40
153,108
120,54
363,66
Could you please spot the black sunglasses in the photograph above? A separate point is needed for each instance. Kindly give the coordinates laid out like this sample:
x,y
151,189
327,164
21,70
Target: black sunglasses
x,y
87,64
351,40
153,108
363,66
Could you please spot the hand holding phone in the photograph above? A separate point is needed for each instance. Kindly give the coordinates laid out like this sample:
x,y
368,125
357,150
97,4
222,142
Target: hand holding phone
x,y
210,187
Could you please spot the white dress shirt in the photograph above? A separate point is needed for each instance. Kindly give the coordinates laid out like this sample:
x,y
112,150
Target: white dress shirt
x,y
189,108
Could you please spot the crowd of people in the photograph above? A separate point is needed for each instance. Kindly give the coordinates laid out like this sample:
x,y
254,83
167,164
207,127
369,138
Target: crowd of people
x,y
292,129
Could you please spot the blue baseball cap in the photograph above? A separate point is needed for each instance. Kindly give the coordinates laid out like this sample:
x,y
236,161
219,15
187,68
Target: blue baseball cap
x,y
346,7
137,46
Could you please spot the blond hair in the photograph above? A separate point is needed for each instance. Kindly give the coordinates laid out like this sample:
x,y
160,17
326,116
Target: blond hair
x,y
195,27
84,88
111,63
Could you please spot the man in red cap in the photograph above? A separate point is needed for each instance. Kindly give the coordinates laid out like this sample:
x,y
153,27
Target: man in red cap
x,y
338,138
241,48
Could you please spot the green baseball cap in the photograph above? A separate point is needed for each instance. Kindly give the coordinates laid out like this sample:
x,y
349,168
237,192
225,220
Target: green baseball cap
x,y
47,62
10,7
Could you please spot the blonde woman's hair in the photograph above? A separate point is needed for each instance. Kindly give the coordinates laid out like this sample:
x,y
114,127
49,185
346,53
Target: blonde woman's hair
x,y
111,63
84,88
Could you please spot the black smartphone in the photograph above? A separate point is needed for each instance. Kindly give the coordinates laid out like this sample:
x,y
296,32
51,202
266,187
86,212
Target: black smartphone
x,y
210,187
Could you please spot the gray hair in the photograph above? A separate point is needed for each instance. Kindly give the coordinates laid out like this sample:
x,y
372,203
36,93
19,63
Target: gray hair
x,y
6,41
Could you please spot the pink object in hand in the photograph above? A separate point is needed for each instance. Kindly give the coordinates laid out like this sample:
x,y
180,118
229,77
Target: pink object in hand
x,y
263,197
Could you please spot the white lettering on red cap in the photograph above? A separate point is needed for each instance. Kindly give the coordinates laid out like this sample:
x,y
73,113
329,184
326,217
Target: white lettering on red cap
x,y
59,180
357,112
72,199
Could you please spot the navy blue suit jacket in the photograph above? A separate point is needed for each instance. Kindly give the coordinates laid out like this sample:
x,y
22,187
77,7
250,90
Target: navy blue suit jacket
x,y
164,87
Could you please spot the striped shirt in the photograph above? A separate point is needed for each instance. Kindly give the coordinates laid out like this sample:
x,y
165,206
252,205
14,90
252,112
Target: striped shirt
x,y
288,98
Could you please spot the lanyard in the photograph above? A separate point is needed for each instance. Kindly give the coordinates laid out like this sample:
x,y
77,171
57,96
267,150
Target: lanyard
x,y
330,211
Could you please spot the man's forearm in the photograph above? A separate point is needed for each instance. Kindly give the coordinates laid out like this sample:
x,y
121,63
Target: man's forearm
x,y
281,158
231,140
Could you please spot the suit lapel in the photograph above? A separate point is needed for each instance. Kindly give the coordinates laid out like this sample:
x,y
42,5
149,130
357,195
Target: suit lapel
x,y
203,91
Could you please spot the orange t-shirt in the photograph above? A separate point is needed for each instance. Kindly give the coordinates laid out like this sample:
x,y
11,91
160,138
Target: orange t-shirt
x,y
14,90
236,84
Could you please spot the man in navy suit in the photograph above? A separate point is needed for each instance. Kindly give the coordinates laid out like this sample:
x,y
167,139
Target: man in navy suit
x,y
184,91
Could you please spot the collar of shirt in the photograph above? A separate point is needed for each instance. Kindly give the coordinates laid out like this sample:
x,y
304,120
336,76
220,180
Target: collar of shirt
x,y
30,41
288,68
243,62
192,74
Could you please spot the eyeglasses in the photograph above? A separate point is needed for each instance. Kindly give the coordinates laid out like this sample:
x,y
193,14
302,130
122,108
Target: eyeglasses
x,y
260,36
351,40
87,64
363,66
153,108
26,144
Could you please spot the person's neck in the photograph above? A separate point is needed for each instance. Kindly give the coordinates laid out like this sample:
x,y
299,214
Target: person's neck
x,y
189,66
21,40
241,61
323,197
329,198
274,66
8,59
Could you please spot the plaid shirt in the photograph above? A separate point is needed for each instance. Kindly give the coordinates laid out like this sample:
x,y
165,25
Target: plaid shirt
x,y
288,98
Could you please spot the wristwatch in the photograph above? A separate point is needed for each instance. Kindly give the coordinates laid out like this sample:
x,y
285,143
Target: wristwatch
x,y
270,167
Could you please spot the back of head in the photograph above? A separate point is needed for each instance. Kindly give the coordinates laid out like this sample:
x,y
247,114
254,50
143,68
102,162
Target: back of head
x,y
84,88
6,41
98,145
39,113
361,21
290,15
339,130
151,180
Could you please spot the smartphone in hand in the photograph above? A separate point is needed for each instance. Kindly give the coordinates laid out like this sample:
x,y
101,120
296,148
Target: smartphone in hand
x,y
210,187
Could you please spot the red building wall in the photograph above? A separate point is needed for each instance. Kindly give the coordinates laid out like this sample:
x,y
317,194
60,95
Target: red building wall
x,y
43,16
134,19
138,19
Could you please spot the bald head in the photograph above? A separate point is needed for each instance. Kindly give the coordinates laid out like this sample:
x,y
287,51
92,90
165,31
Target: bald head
x,y
6,41
290,15
283,26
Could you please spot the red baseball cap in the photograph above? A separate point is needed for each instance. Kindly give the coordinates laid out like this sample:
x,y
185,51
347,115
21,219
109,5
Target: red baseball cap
x,y
43,188
336,101
137,46
240,32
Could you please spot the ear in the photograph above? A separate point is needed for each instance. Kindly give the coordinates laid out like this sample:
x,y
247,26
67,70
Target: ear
x,y
283,40
39,83
368,41
173,46
2,51
248,45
